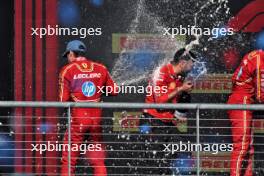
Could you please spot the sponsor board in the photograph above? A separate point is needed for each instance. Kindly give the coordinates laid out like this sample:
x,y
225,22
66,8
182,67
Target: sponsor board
x,y
214,163
130,122
146,42
213,83
126,121
258,125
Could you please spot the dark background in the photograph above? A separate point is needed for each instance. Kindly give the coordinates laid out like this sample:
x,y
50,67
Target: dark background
x,y
6,55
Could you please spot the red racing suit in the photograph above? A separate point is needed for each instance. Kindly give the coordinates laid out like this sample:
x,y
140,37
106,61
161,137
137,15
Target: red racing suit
x,y
248,87
164,81
80,81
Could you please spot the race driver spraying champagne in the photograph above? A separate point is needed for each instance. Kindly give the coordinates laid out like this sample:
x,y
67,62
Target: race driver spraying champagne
x,y
248,88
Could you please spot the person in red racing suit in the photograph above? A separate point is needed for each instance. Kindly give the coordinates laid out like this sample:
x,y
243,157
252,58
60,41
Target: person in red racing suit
x,y
248,88
81,81
167,85
165,82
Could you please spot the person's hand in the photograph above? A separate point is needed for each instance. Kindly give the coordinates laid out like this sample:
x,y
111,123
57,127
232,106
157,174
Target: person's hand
x,y
178,120
186,87
179,117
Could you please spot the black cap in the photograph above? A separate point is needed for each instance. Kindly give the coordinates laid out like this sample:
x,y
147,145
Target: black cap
x,y
183,54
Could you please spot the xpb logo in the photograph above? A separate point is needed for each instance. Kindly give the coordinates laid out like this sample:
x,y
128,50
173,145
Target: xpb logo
x,y
88,89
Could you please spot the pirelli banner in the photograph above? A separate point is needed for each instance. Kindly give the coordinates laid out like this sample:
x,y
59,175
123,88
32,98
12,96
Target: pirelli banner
x,y
213,83
214,162
150,42
130,122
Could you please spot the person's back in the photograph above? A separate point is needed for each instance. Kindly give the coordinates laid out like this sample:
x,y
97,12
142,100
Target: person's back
x,y
249,77
83,80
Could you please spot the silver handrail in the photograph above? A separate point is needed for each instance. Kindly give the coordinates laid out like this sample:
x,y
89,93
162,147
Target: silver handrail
x,y
194,106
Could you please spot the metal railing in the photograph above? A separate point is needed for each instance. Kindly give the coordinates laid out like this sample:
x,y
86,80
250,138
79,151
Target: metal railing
x,y
70,105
